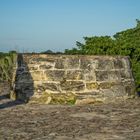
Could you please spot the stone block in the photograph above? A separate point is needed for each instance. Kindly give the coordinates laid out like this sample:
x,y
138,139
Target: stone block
x,y
39,87
114,76
37,75
60,64
45,66
51,86
118,63
107,85
88,63
114,91
119,91
74,75
32,67
91,94
125,74
92,86
54,75
72,86
88,101
72,63
89,75
105,64
130,90
126,63
38,59
102,76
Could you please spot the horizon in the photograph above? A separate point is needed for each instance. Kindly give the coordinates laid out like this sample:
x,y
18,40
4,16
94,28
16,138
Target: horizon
x,y
38,25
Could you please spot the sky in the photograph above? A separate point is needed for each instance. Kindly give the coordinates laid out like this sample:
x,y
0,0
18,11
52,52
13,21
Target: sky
x,y
40,25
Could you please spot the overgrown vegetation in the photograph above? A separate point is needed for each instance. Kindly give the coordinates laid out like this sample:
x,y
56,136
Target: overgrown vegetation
x,y
122,43
6,65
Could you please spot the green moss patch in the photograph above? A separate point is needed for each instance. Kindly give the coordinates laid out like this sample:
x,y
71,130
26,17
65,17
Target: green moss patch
x,y
47,98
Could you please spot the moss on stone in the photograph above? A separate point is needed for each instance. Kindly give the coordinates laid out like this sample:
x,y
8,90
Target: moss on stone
x,y
68,98
92,85
106,85
47,98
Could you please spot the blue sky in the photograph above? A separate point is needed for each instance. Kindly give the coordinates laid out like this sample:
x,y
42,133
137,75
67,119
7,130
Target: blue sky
x,y
39,25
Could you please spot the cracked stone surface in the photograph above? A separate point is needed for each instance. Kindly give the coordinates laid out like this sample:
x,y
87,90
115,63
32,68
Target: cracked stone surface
x,y
113,121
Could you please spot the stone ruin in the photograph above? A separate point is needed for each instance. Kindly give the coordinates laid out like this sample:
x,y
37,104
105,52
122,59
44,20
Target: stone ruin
x,y
72,79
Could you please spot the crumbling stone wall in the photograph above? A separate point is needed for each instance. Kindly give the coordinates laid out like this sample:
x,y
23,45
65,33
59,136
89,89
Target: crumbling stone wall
x,y
74,78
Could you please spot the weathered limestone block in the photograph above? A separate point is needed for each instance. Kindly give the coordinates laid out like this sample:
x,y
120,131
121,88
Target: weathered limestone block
x,y
60,64
42,87
110,76
34,59
126,62
92,85
102,76
52,86
72,86
105,64
107,85
72,63
31,67
126,74
86,95
54,75
88,63
74,75
113,92
89,75
38,87
67,63
118,63
114,76
46,66
130,90
37,75
129,87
